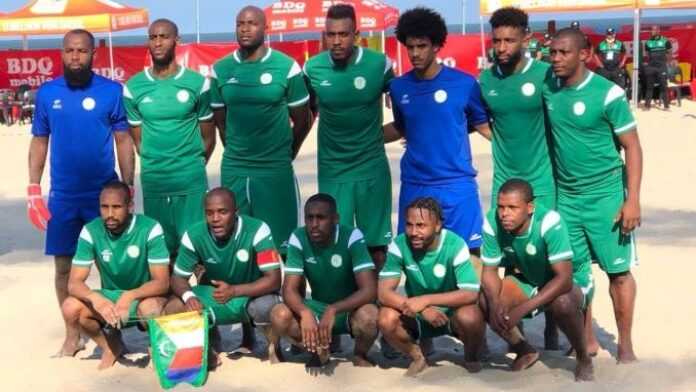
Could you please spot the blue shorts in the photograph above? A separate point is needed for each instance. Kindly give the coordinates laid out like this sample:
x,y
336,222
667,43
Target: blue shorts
x,y
460,206
67,218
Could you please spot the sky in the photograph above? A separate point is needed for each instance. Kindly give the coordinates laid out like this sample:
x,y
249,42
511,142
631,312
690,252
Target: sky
x,y
218,15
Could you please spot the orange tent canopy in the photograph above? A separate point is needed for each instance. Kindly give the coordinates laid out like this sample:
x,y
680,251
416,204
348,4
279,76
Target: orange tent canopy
x,y
59,16
310,15
668,4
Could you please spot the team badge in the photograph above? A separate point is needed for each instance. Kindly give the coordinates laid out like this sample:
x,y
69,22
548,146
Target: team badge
x,y
336,260
106,255
579,108
266,78
440,96
89,103
133,251
439,270
528,89
182,96
359,82
531,249
243,255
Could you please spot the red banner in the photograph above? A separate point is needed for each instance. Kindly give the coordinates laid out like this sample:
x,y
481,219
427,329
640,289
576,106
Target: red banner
x,y
35,67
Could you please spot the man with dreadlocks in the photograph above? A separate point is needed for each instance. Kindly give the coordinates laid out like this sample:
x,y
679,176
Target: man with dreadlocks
x,y
442,288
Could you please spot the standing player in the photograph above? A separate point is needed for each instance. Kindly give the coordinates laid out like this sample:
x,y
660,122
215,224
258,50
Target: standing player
x,y
598,195
131,257
533,45
434,108
611,58
256,92
85,107
242,268
512,91
442,289
347,84
334,260
534,240
659,52
168,109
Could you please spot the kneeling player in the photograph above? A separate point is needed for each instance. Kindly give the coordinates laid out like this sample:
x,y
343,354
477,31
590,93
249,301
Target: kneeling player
x,y
133,262
334,259
535,241
442,288
242,268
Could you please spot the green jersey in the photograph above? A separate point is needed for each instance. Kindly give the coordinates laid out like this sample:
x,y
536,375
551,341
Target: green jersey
x,y
610,52
123,260
545,53
586,119
657,48
257,95
533,48
546,242
445,269
236,261
330,271
351,141
520,142
172,156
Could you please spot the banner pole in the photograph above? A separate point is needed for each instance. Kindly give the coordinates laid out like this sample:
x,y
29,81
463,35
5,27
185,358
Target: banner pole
x,y
198,21
636,58
483,42
111,55
463,17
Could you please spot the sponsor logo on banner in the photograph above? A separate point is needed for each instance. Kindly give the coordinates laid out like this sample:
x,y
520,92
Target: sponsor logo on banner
x,y
288,7
367,22
300,23
33,71
320,21
279,25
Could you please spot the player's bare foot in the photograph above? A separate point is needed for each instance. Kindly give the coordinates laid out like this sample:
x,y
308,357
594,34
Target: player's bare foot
x,y
584,371
473,366
524,361
362,361
318,360
111,355
416,367
625,356
275,354
69,349
214,360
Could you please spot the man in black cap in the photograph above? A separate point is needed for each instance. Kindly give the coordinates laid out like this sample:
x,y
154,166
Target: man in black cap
x,y
611,58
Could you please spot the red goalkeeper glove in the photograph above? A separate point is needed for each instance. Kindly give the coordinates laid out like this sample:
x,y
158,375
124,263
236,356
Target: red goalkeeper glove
x,y
36,208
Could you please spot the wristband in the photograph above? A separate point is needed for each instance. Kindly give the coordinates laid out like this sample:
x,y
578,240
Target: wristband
x,y
187,295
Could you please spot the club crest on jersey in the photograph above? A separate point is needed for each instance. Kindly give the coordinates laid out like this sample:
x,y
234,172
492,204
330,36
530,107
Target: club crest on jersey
x,y
88,104
106,255
57,104
182,96
528,89
336,261
405,100
133,251
311,260
531,249
359,82
243,255
266,78
439,270
579,108
440,96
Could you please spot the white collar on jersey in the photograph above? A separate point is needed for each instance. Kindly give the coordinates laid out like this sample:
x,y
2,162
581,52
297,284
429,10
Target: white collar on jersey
x,y
265,57
151,78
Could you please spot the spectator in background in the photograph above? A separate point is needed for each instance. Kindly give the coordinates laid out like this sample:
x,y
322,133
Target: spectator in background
x,y
658,51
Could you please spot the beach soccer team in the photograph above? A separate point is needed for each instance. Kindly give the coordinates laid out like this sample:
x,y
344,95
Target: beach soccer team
x,y
563,196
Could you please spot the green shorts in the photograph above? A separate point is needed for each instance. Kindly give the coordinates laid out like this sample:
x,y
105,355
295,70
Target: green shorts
x,y
580,278
175,214
365,204
113,296
341,323
419,328
593,233
273,199
232,312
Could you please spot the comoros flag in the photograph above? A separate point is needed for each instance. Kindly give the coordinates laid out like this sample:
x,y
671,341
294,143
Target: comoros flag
x,y
179,348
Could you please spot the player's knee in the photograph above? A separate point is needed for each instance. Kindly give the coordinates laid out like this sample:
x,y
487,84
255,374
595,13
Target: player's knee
x,y
174,305
259,309
150,307
281,316
388,320
71,309
564,306
364,320
468,318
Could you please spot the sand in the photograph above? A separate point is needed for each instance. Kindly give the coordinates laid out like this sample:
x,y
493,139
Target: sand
x,y
31,328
